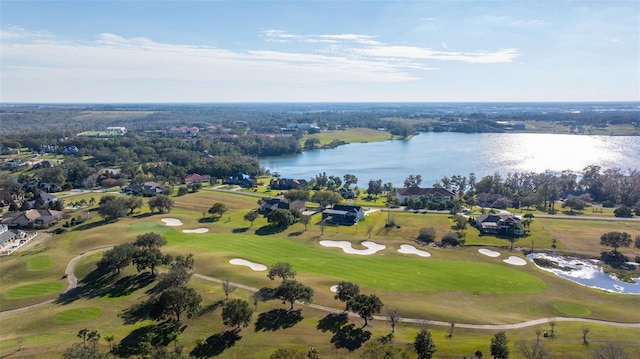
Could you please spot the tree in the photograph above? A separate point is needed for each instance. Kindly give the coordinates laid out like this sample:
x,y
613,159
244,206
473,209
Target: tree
x,y
345,291
150,258
615,240
451,239
535,350
78,351
311,143
610,351
227,288
282,270
251,216
424,345
173,301
460,222
413,181
394,318
585,331
133,203
451,326
305,220
116,258
150,240
426,235
112,208
366,306
237,312
182,191
297,195
292,290
326,198
218,208
280,218
179,273
109,339
350,179
160,202
374,188
499,346
637,241
574,203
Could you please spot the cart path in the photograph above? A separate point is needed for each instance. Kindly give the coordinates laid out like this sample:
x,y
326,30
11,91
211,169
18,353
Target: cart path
x,y
73,283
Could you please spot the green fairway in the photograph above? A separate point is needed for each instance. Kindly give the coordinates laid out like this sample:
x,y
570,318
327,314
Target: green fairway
x,y
33,290
388,270
76,315
572,309
39,263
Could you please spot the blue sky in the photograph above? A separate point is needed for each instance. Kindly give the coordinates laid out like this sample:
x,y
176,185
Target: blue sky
x,y
319,51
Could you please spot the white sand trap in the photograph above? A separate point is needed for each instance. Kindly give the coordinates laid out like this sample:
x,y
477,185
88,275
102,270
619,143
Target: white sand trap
x,y
197,230
489,252
173,222
516,261
243,262
334,288
372,247
409,249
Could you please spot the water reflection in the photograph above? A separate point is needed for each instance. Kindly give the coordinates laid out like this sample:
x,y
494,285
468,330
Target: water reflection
x,y
586,272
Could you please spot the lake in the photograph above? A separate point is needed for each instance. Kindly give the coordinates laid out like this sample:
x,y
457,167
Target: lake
x,y
437,154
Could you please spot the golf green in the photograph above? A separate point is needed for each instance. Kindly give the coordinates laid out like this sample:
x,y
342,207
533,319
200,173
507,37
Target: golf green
x,y
76,315
39,263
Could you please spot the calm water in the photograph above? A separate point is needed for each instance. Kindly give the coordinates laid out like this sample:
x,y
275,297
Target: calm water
x,y
588,273
435,155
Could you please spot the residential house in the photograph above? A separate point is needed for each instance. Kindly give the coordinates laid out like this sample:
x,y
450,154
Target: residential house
x,y
45,197
348,193
14,164
242,180
147,189
280,203
33,218
182,131
70,150
499,223
343,215
435,194
288,183
196,178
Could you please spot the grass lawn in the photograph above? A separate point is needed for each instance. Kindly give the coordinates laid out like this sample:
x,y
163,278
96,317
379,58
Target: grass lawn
x,y
350,135
76,315
38,263
33,290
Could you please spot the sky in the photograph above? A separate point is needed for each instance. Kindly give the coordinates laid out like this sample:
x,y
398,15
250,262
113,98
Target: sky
x,y
319,51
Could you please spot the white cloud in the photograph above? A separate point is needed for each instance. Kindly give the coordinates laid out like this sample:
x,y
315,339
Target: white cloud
x,y
12,32
416,53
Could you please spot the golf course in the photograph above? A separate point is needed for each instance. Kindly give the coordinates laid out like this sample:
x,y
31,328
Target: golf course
x,y
463,295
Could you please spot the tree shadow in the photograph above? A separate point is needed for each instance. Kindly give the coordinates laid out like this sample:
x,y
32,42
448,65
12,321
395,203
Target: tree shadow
x,y
157,334
142,215
240,230
278,319
332,322
209,219
350,338
268,230
90,225
138,312
210,308
295,234
98,284
216,344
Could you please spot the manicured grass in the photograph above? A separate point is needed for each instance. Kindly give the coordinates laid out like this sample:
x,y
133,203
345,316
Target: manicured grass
x,y
76,315
572,309
39,263
350,135
33,290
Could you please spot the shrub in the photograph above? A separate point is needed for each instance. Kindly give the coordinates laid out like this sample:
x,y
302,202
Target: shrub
x,y
451,239
608,204
623,211
426,235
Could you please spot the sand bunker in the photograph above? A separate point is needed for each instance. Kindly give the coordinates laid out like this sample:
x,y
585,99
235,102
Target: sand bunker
x,y
372,247
488,252
197,230
409,249
334,288
516,261
242,262
173,222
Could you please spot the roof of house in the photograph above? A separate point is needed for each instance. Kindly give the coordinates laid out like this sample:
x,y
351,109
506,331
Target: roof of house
x,y
196,177
342,207
417,191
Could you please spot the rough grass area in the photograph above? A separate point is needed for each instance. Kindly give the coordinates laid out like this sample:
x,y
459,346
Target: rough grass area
x,y
39,263
350,135
33,290
76,315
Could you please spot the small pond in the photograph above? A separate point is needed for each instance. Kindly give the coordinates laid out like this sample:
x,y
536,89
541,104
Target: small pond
x,y
586,272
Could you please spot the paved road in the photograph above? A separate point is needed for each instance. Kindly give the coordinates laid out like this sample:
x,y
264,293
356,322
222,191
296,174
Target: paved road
x,y
73,283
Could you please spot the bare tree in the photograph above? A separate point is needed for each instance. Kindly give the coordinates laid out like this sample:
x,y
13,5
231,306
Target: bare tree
x,y
610,351
538,332
394,317
452,325
585,331
535,350
552,324
227,287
